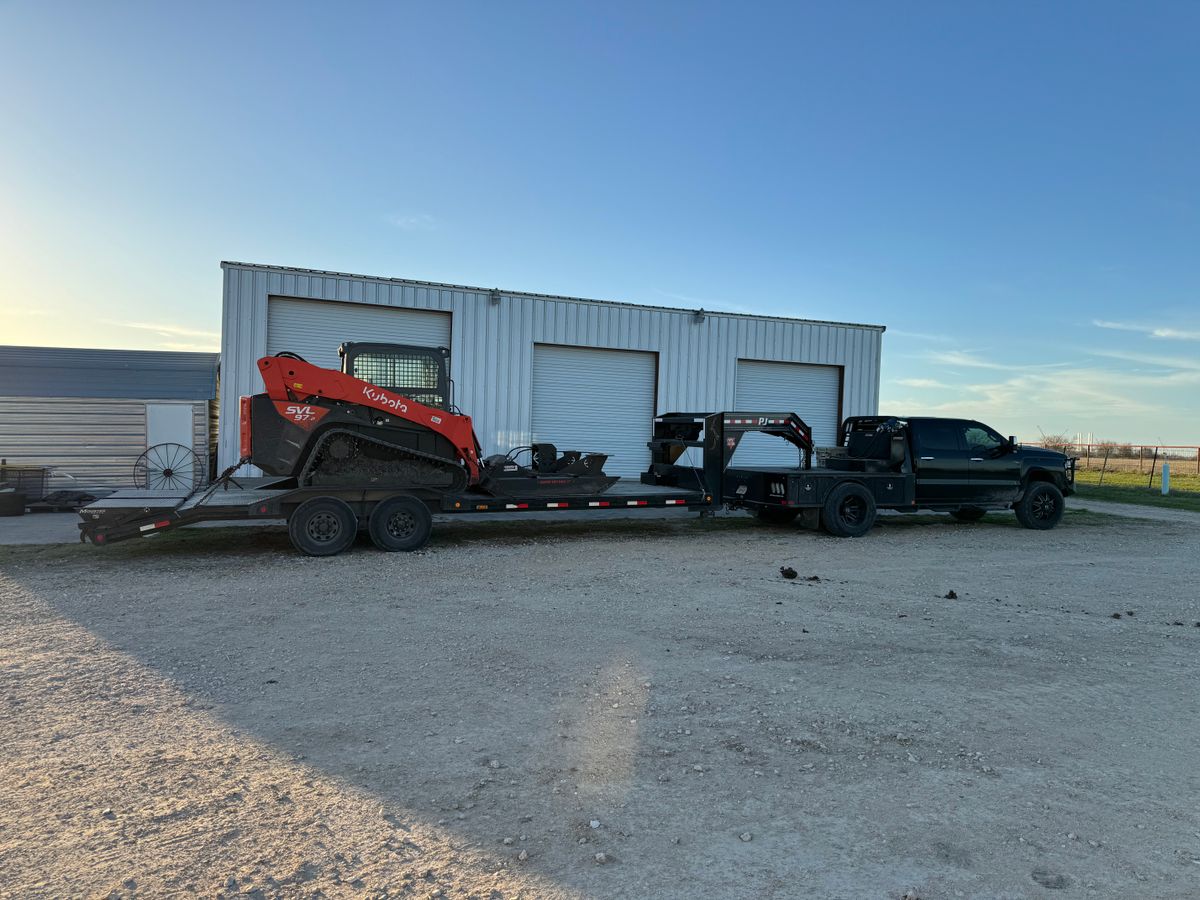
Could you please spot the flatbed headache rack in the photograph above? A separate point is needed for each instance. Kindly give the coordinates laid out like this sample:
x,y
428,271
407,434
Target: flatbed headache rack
x,y
144,513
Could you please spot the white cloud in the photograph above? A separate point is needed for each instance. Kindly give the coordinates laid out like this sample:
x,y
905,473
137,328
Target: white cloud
x,y
1187,363
1154,331
174,331
968,359
412,221
922,383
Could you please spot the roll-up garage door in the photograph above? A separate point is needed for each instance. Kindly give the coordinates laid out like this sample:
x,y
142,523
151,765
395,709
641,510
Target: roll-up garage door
x,y
811,391
315,328
598,400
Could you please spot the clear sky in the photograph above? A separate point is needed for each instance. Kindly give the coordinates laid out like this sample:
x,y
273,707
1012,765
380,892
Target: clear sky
x,y
1012,188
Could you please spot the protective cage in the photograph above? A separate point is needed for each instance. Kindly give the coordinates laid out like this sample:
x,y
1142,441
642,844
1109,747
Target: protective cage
x,y
418,373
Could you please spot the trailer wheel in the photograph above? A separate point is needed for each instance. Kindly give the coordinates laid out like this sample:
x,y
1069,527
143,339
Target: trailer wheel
x,y
773,515
849,510
400,523
1041,507
968,513
323,526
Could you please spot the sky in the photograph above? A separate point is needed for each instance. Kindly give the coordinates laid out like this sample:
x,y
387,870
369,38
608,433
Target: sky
x,y
1012,189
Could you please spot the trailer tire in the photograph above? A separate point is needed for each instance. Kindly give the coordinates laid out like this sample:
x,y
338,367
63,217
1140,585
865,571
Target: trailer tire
x,y
849,510
323,526
773,515
968,513
1041,507
400,523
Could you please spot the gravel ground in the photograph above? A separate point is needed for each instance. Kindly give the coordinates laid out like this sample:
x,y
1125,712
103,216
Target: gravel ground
x,y
617,709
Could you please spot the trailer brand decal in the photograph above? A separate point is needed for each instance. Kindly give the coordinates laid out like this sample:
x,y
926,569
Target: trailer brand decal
x,y
381,397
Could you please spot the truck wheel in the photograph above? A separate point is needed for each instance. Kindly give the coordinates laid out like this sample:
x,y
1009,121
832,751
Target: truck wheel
x,y
1041,508
322,526
400,523
968,513
773,515
849,510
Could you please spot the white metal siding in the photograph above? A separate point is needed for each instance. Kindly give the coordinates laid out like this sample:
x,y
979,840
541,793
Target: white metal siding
x,y
597,400
492,344
315,330
87,444
814,392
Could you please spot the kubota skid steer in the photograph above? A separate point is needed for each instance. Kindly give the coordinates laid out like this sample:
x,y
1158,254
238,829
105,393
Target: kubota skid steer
x,y
387,419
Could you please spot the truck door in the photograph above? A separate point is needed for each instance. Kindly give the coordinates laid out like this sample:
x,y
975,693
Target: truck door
x,y
941,461
995,471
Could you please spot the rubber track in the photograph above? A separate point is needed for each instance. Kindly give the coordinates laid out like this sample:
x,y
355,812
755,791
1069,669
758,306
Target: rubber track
x,y
460,474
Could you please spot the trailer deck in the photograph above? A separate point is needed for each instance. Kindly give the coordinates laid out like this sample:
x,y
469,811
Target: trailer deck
x,y
138,512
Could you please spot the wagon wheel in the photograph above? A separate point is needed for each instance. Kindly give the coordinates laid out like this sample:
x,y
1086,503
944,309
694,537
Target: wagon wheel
x,y
168,467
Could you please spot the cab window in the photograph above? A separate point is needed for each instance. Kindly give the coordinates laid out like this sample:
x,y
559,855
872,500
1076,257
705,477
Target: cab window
x,y
982,439
938,435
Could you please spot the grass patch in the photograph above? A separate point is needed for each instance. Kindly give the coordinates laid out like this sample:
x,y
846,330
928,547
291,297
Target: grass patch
x,y
1184,482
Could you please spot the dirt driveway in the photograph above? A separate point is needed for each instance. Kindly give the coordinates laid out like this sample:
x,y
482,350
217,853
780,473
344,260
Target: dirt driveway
x,y
609,710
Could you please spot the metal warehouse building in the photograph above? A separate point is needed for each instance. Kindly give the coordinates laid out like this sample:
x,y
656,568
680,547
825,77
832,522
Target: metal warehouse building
x,y
582,374
87,414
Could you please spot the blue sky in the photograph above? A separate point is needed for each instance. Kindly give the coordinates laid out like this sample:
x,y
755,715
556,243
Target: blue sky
x,y
1013,189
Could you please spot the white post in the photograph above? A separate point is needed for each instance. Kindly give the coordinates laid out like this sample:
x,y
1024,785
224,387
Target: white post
x,y
1166,478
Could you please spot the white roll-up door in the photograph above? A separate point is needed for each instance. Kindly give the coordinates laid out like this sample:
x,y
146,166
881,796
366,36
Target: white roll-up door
x,y
597,400
315,328
813,392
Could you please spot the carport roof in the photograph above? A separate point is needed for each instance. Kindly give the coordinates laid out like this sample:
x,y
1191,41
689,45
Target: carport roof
x,y
120,374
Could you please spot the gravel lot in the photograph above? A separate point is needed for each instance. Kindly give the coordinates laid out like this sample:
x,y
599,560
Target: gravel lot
x,y
612,709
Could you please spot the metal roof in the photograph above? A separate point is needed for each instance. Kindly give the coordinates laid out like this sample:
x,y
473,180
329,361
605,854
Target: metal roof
x,y
119,374
506,293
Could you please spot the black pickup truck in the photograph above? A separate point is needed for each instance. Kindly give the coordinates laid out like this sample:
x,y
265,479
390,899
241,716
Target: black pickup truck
x,y
958,466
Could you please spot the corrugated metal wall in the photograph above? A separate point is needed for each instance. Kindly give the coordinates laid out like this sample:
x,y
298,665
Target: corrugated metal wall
x,y
492,345
88,444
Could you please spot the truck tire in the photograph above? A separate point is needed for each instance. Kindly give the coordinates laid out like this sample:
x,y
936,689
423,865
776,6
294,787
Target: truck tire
x,y
968,513
849,510
323,526
1040,507
400,523
773,515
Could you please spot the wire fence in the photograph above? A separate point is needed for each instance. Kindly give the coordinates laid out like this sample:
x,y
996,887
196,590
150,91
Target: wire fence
x,y
1111,456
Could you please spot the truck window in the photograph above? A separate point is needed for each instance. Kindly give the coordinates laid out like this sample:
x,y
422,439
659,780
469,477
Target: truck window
x,y
938,435
982,439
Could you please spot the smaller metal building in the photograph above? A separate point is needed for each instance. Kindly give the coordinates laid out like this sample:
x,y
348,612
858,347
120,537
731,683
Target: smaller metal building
x,y
87,414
